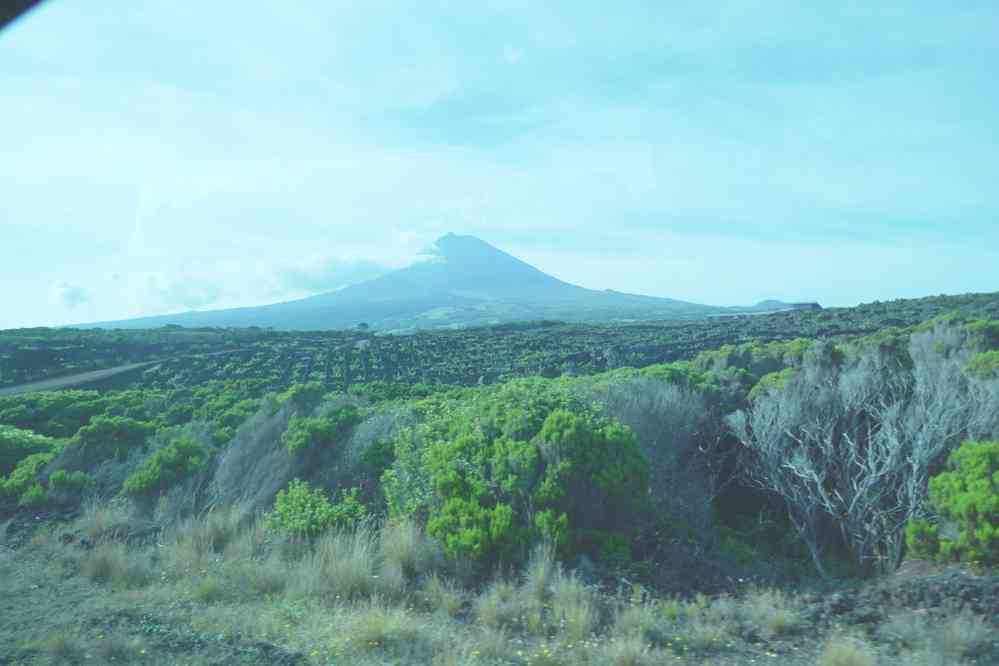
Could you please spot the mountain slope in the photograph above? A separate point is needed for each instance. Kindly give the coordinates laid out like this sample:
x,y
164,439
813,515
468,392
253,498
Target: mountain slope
x,y
465,282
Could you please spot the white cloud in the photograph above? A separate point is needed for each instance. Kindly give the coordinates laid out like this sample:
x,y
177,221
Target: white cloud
x,y
329,274
70,296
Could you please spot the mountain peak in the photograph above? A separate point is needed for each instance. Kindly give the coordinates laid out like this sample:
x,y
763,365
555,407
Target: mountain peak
x,y
454,245
465,281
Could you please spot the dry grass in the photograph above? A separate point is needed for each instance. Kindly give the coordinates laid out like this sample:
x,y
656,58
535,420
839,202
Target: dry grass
x,y
642,620
628,650
376,595
116,649
499,605
209,534
904,629
772,612
341,566
846,651
704,635
377,627
62,648
490,644
946,640
265,577
573,606
111,563
540,572
210,589
441,596
961,635
104,520
403,545
252,542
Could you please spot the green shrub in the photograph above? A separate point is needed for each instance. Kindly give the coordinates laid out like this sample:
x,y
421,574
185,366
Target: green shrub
x,y
985,333
228,421
66,487
51,413
304,397
109,437
305,511
510,465
35,495
984,364
165,468
772,381
922,538
305,433
968,495
24,475
17,444
68,481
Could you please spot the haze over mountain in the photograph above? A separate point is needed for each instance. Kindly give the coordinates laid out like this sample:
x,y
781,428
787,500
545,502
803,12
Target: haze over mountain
x,y
465,281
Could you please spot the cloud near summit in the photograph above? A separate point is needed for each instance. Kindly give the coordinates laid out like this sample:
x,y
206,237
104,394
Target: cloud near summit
x,y
329,274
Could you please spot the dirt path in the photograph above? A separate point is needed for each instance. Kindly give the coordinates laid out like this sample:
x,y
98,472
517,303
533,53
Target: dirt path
x,y
73,380
82,378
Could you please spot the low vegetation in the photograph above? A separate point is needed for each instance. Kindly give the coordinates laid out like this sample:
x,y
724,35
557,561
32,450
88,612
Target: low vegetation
x,y
751,501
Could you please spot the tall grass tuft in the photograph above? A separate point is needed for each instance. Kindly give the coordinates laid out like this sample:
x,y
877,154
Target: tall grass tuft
x,y
105,520
574,606
441,596
377,627
497,606
846,651
403,545
110,563
341,566
961,635
772,612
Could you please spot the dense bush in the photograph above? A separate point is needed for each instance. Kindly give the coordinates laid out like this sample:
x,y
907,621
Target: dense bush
x,y
306,433
499,470
35,495
772,381
165,468
24,475
985,332
984,365
17,444
967,496
67,487
302,510
56,413
304,397
109,437
229,420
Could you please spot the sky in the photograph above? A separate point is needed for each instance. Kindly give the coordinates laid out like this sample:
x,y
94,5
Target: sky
x,y
159,157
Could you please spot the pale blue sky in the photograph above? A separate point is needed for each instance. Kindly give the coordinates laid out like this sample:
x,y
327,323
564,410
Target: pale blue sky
x,y
162,156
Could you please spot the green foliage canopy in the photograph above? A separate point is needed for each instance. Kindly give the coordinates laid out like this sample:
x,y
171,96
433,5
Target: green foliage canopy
x,y
495,472
109,437
968,495
302,510
165,468
17,444
306,433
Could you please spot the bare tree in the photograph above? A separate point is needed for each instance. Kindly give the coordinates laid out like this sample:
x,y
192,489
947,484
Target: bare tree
x,y
855,441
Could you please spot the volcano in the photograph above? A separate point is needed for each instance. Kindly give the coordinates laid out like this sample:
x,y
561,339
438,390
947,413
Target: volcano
x,y
463,281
